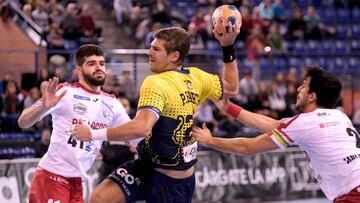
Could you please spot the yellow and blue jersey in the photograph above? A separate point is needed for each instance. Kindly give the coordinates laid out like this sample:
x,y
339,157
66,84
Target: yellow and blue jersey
x,y
175,96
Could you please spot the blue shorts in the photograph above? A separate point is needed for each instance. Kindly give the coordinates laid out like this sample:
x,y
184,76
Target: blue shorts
x,y
139,181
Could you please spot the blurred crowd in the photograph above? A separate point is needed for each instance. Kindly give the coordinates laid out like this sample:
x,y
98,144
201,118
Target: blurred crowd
x,y
66,24
264,23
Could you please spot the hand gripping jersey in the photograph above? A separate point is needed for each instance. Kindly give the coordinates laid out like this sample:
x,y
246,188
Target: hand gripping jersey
x,y
69,157
174,96
332,146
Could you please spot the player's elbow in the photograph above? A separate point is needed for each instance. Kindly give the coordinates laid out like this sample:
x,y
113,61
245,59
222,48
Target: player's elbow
x,y
248,153
142,132
231,92
247,150
22,123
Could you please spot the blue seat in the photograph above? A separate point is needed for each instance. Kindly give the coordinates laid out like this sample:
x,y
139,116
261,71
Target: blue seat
x,y
303,4
342,31
355,45
313,47
341,47
266,66
328,16
327,3
324,63
299,47
343,16
280,64
309,61
287,3
295,62
327,47
212,45
355,15
355,31
255,2
340,65
353,65
240,45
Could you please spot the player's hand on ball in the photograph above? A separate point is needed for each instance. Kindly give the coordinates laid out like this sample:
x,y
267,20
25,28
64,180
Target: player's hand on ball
x,y
81,132
227,21
228,38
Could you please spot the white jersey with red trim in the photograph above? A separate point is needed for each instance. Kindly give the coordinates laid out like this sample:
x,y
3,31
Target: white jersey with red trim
x,y
69,157
331,143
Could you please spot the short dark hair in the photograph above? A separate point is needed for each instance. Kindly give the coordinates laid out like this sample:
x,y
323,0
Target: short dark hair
x,y
176,39
325,85
87,50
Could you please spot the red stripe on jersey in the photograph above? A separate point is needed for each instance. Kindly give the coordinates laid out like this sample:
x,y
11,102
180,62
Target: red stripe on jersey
x,y
285,125
59,86
107,94
79,85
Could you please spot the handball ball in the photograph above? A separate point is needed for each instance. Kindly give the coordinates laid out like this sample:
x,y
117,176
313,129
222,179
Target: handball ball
x,y
225,13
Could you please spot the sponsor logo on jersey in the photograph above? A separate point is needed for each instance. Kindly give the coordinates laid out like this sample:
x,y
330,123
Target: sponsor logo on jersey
x,y
322,114
80,108
351,158
329,124
88,146
95,99
93,124
190,97
81,97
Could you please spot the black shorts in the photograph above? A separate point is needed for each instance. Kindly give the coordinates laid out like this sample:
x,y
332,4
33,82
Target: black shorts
x,y
139,181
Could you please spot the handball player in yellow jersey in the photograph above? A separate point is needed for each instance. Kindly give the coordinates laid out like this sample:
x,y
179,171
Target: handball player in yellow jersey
x,y
168,100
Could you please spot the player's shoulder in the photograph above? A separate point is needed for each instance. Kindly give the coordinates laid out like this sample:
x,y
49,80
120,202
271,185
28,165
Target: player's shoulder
x,y
289,120
193,69
69,85
108,95
199,72
65,85
155,79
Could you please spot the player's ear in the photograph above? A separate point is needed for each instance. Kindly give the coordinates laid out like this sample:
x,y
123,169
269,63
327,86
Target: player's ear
x,y
313,97
78,68
175,56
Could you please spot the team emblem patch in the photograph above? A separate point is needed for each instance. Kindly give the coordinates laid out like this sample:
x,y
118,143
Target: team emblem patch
x,y
188,84
80,108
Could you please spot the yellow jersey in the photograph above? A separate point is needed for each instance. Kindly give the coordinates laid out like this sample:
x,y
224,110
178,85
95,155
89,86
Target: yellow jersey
x,y
175,95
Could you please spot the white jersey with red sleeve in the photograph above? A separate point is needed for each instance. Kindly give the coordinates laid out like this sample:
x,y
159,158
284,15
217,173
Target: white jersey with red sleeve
x,y
331,143
69,157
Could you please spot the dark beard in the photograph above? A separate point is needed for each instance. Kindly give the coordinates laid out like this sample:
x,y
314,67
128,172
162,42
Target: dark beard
x,y
92,80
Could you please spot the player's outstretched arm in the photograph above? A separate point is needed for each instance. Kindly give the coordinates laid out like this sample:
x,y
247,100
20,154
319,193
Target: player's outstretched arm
x,y
139,127
230,75
241,146
253,120
49,99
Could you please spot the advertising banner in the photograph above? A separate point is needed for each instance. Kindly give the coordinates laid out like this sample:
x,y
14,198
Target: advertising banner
x,y
220,177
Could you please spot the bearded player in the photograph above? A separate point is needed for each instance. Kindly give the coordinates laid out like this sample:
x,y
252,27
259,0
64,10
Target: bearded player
x,y
59,175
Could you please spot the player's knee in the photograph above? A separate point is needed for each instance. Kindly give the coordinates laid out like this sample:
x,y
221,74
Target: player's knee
x,y
96,197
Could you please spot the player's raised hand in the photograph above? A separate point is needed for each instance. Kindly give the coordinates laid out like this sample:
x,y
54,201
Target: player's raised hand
x,y
48,91
228,38
202,135
81,132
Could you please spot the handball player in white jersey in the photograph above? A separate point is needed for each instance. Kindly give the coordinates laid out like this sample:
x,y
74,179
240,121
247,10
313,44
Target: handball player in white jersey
x,y
326,135
59,175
